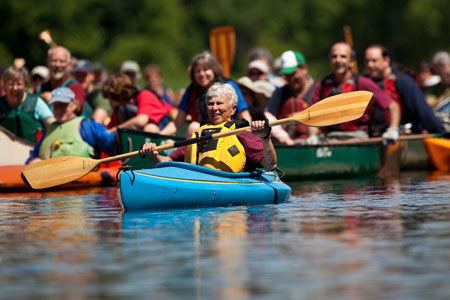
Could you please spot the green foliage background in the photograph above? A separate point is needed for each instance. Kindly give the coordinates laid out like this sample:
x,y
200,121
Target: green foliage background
x,y
170,32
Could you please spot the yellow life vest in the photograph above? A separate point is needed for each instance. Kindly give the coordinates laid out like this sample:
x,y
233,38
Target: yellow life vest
x,y
225,154
65,139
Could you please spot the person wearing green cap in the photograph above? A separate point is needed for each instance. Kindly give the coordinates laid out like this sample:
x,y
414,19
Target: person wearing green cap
x,y
291,98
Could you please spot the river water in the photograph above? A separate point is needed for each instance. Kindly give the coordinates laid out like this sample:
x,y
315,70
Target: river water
x,y
341,239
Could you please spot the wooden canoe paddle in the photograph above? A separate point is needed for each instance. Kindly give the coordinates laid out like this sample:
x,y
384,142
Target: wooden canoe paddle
x,y
332,110
222,41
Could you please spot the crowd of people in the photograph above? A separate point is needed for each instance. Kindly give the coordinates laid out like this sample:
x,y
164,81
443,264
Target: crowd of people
x,y
75,107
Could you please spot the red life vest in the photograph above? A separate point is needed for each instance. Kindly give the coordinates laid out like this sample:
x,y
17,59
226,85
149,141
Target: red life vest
x,y
329,87
289,107
389,86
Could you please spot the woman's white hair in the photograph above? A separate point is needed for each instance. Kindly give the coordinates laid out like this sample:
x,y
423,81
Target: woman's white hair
x,y
225,90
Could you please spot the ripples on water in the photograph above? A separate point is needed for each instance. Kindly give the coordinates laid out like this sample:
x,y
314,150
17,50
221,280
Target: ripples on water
x,y
348,239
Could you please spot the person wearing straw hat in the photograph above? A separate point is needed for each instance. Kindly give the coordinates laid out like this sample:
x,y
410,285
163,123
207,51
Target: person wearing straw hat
x,y
256,94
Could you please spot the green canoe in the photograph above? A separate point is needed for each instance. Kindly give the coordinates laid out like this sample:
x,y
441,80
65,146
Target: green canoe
x,y
308,162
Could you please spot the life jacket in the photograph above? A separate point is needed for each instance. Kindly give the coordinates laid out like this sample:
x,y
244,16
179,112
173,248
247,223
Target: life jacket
x,y
288,108
68,83
20,120
389,86
121,114
65,139
225,154
329,87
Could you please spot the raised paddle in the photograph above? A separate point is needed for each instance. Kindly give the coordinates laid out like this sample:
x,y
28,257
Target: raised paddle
x,y
332,110
222,41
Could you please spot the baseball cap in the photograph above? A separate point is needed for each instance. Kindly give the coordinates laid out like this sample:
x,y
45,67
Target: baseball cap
x,y
40,71
83,65
62,94
259,65
290,61
131,66
441,57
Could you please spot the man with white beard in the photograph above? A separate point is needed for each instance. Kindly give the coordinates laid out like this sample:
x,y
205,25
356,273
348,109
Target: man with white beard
x,y
59,65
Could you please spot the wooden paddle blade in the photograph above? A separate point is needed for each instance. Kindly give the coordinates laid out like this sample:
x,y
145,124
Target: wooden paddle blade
x,y
335,109
56,171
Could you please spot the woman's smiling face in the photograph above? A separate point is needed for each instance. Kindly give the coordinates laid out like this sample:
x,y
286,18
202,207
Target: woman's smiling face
x,y
219,110
203,76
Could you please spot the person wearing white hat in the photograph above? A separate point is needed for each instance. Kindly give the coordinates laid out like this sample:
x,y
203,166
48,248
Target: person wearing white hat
x,y
132,69
39,75
258,70
440,91
70,134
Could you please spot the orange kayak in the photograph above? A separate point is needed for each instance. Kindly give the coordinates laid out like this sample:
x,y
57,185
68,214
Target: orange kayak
x,y
439,152
10,179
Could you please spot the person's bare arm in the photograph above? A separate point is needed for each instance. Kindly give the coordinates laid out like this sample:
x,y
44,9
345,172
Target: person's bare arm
x,y
138,121
278,132
181,117
100,115
49,121
245,115
394,112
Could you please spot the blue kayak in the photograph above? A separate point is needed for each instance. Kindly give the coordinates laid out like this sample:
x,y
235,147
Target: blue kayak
x,y
172,185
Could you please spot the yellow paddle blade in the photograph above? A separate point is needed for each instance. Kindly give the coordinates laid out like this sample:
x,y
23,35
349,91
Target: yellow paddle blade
x,y
58,170
335,109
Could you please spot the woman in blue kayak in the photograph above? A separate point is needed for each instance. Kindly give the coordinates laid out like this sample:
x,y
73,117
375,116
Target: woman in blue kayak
x,y
243,152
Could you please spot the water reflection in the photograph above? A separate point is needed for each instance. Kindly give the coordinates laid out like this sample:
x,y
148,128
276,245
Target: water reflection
x,y
348,239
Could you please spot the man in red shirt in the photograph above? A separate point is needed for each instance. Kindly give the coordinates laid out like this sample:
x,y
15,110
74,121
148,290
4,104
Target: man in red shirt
x,y
59,65
343,80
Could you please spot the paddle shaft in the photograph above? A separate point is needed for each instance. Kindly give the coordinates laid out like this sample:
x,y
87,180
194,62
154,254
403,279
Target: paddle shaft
x,y
186,142
329,111
332,110
375,140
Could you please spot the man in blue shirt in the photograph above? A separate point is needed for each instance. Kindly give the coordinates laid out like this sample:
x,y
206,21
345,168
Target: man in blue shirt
x,y
72,135
403,89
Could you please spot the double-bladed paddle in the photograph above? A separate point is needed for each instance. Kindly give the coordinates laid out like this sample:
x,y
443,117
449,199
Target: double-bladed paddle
x,y
329,111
